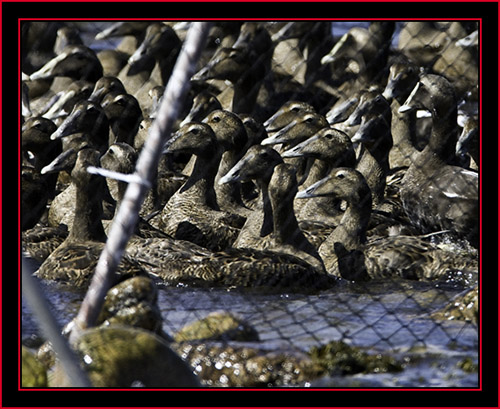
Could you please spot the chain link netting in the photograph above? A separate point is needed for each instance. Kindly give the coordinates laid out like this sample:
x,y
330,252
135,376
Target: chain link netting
x,y
376,126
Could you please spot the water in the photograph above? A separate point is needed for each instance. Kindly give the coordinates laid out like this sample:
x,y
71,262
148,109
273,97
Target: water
x,y
386,317
382,317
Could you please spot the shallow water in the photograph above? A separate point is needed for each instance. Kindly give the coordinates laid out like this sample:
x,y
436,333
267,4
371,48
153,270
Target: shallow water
x,y
383,317
387,317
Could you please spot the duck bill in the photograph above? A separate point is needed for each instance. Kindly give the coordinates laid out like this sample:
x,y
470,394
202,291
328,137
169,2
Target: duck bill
x,y
57,109
391,87
363,134
235,174
65,161
410,103
68,127
269,125
282,136
315,190
139,53
47,71
341,112
302,149
117,29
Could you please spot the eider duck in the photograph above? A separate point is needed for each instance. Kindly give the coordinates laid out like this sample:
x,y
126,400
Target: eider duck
x,y
286,114
403,77
37,189
329,148
74,261
347,253
468,141
256,165
124,115
162,43
375,138
273,225
436,195
193,213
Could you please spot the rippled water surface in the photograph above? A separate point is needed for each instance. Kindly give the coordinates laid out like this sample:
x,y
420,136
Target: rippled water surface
x,y
390,318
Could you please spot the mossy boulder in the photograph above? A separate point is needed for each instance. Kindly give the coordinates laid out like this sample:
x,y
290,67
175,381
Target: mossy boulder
x,y
338,358
464,306
233,366
123,357
132,302
33,373
219,325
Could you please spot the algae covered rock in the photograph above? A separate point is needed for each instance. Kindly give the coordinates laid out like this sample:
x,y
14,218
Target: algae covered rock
x,y
338,358
122,357
464,306
33,374
218,325
132,302
233,366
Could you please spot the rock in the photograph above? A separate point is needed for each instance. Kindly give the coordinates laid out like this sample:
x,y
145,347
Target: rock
x,y
228,366
122,357
133,302
33,374
219,325
464,306
338,358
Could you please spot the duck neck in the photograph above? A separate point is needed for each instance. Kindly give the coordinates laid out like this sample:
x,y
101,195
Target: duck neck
x,y
403,129
316,169
285,226
201,181
87,225
267,210
229,192
245,95
351,231
443,139
374,168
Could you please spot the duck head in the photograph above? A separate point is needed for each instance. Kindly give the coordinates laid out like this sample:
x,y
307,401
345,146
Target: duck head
x,y
257,163
301,128
106,85
402,80
159,37
343,183
86,117
226,64
288,111
75,61
228,128
194,138
327,144
433,93
203,103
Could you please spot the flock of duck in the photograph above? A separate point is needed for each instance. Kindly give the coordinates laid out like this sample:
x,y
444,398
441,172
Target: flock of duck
x,y
299,160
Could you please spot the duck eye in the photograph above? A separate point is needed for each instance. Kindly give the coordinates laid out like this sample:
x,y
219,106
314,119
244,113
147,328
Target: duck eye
x,y
195,131
216,118
340,175
295,109
329,136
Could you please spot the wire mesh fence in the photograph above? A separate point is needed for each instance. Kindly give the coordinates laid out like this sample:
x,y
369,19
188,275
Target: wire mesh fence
x,y
313,220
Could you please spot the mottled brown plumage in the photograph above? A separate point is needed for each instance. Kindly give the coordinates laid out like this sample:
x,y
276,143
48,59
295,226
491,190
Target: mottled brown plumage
x,y
348,254
74,261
